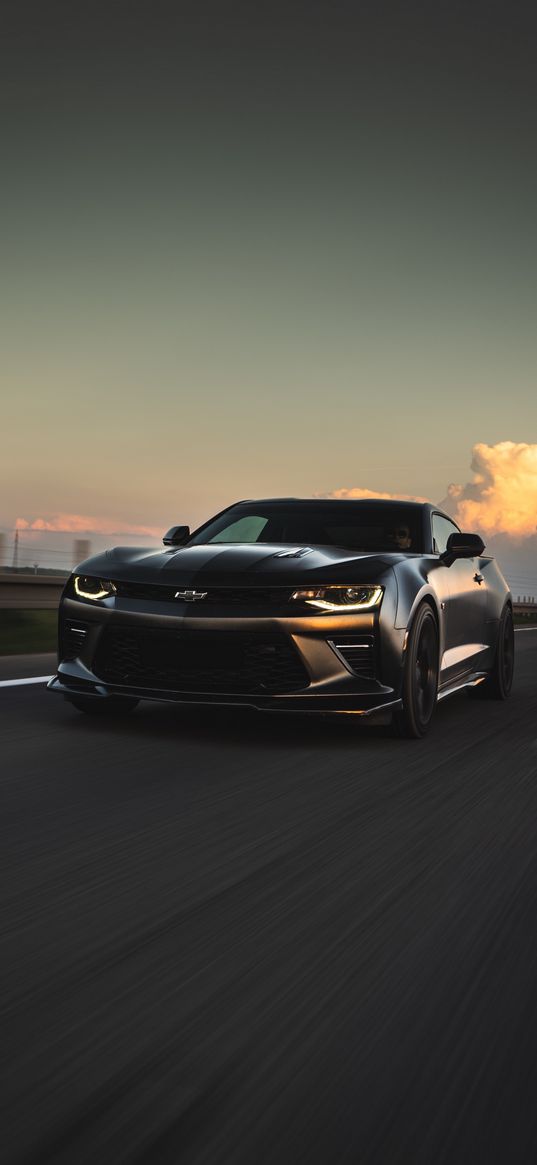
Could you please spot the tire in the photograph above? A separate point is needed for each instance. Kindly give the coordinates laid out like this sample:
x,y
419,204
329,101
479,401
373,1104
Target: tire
x,y
499,682
102,706
420,679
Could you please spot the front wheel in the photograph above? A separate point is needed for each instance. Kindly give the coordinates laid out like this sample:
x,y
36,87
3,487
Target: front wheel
x,y
420,679
102,706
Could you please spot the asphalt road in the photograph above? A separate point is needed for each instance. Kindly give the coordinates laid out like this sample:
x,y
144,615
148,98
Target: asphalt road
x,y
238,938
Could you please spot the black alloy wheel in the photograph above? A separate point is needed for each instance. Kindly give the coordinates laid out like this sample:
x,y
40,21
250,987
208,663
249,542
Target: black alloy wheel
x,y
420,680
499,682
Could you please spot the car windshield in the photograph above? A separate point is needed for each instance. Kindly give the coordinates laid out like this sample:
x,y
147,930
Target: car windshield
x,y
350,525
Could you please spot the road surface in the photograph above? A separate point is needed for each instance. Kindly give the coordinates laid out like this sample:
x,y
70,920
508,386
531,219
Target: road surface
x,y
236,938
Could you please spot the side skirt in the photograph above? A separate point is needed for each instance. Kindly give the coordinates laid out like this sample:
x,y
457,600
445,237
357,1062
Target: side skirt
x,y
470,681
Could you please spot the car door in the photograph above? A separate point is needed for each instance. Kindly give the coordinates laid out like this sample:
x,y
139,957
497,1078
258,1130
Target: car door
x,y
465,639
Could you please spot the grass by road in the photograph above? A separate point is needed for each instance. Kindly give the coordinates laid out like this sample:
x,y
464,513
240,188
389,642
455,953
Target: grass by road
x,y
24,632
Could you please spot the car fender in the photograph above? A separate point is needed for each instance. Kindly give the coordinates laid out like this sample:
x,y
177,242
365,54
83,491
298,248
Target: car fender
x,y
422,580
419,578
498,592
426,594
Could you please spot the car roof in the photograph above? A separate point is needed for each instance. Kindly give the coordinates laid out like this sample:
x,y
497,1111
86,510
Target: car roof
x,y
347,501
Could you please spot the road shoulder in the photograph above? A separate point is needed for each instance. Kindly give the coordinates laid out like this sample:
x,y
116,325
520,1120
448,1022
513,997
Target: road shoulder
x,y
20,667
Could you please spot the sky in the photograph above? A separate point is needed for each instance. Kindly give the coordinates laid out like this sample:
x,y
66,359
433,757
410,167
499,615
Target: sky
x,y
259,250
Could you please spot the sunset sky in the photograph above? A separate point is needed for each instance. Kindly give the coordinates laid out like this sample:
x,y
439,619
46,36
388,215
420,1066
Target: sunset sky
x,y
251,250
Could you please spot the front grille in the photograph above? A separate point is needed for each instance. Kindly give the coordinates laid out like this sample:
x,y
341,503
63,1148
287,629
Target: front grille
x,y
73,638
258,597
200,661
358,651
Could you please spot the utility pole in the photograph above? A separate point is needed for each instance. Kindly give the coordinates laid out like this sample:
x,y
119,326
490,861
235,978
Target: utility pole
x,y
81,550
16,551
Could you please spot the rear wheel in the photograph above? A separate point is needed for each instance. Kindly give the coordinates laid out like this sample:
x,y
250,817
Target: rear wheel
x,y
499,682
420,680
102,706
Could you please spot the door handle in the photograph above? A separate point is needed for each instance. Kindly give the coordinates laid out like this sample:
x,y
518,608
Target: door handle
x,y
478,578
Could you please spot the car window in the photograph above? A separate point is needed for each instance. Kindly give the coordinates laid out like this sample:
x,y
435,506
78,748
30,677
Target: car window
x,y
442,528
247,529
354,525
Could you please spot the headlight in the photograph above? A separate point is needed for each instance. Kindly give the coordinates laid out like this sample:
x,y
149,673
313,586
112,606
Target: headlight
x,y
341,598
93,588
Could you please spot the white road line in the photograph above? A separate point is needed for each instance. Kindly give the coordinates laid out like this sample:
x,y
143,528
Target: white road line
x,y
526,628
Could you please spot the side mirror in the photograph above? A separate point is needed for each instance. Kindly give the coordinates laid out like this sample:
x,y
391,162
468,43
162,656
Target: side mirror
x,y
177,536
462,546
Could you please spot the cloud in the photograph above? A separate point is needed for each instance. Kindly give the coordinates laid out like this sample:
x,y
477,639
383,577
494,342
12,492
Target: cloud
x,y
358,491
502,498
84,524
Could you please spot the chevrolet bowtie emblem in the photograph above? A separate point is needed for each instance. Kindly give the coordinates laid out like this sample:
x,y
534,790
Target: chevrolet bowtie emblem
x,y
190,596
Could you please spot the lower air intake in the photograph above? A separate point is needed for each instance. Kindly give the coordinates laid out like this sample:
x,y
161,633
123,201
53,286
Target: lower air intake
x,y
200,661
358,652
73,638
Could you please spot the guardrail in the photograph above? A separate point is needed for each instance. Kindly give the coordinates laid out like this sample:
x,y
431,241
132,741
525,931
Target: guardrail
x,y
43,592
37,592
525,610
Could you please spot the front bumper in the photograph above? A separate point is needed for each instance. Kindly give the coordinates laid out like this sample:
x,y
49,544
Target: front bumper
x,y
330,682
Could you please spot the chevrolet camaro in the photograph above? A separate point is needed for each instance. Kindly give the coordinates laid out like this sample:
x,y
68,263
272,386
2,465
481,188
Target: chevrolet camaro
x,y
377,608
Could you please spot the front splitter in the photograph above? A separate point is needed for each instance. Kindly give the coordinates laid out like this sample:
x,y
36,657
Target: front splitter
x,y
357,703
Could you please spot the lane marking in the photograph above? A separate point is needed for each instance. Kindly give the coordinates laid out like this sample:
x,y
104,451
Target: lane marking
x,y
526,628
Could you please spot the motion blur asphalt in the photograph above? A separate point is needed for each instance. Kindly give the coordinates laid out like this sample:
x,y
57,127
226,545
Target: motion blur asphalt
x,y
230,937
14,667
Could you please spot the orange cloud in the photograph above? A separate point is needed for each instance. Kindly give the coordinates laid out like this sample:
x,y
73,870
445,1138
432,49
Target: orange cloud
x,y
84,524
502,498
358,492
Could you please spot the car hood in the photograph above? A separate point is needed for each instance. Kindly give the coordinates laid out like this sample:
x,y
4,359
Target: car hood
x,y
240,564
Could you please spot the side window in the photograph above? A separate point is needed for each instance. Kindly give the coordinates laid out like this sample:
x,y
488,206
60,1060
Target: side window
x,y
246,529
442,528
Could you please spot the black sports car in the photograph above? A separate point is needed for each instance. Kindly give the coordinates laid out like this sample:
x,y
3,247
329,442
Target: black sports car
x,y
368,607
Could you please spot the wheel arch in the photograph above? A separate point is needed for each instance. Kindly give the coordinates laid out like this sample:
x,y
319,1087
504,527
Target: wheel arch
x,y
427,598
430,599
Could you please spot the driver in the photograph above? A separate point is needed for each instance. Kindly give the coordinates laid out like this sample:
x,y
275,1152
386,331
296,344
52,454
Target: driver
x,y
400,536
